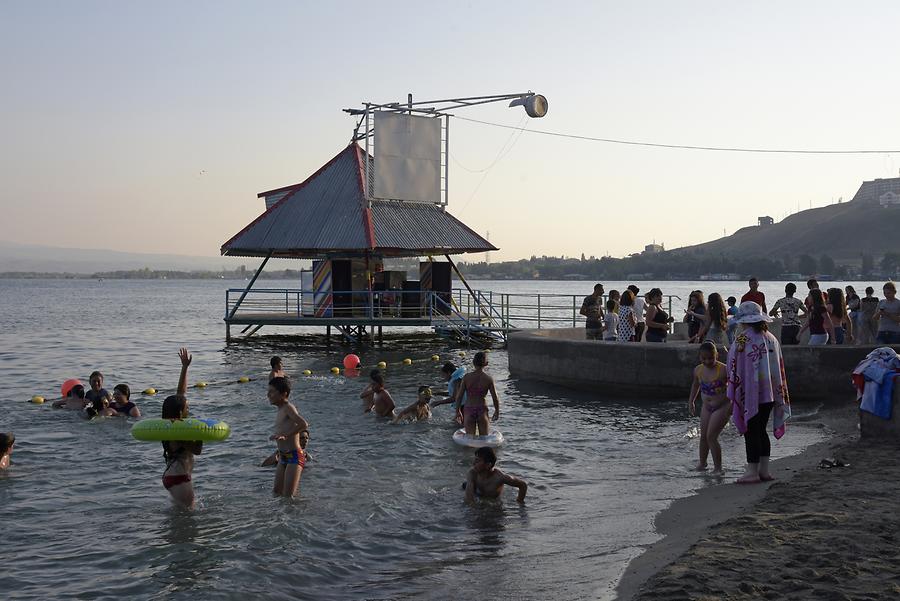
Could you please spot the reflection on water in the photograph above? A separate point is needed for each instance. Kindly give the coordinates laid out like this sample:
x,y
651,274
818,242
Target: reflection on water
x,y
381,514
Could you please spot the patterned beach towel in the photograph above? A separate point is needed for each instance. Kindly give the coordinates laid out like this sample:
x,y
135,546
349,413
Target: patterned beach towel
x,y
755,377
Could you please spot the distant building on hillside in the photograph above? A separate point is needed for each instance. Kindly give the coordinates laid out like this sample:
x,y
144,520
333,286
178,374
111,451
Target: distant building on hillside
x,y
653,249
889,199
883,191
765,221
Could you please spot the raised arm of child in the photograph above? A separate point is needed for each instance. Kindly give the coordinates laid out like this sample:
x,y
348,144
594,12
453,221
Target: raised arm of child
x,y
520,484
186,358
695,390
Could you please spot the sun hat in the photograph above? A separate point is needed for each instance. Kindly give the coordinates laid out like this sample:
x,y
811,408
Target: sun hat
x,y
750,312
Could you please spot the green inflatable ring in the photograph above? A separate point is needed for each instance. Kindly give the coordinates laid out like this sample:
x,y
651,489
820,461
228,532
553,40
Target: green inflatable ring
x,y
192,428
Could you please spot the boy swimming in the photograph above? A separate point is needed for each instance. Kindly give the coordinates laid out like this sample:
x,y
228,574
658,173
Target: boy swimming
x,y
419,410
288,425
486,481
277,368
273,458
97,392
74,400
7,440
376,398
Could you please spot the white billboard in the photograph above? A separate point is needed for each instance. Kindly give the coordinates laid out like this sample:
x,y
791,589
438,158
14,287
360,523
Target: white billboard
x,y
407,157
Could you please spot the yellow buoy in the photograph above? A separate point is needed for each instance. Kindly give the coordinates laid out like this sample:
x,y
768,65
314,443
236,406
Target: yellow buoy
x,y
407,362
435,357
382,365
335,370
201,385
37,399
306,372
243,380
149,391
462,354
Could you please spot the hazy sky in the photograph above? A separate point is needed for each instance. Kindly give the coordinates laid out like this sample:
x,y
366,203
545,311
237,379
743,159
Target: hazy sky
x,y
151,127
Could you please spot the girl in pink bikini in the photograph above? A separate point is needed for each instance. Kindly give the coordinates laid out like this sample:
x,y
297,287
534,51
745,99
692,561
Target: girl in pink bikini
x,y
476,385
179,455
710,381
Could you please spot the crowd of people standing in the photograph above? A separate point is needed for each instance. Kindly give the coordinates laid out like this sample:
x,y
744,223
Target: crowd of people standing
x,y
832,316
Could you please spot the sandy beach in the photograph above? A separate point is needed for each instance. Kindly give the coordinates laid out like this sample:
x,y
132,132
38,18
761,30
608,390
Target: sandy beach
x,y
815,533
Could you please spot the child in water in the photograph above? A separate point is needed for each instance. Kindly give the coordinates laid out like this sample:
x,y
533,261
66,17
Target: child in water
x,y
419,410
710,379
277,368
486,481
476,386
288,426
7,440
74,400
376,397
273,458
179,455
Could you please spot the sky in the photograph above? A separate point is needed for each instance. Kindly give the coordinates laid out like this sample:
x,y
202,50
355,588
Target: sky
x,y
151,127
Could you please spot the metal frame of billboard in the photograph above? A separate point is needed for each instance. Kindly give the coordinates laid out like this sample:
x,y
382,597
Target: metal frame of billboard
x,y
437,109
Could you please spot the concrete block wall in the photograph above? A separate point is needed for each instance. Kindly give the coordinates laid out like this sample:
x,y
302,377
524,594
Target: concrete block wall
x,y
651,371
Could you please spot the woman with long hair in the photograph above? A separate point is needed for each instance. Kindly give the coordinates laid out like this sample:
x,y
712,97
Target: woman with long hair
x,y
627,319
657,320
695,314
715,322
819,323
837,312
853,307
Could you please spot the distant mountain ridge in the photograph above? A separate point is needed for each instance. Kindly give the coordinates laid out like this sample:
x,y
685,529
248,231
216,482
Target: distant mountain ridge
x,y
16,257
867,224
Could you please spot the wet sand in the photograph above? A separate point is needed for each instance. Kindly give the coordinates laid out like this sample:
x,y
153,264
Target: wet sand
x,y
813,534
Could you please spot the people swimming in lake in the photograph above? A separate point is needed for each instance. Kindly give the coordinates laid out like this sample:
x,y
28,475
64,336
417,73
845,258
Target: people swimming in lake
x,y
274,457
453,376
7,440
710,381
179,455
288,426
74,400
477,385
122,405
97,392
420,410
375,396
277,370
486,481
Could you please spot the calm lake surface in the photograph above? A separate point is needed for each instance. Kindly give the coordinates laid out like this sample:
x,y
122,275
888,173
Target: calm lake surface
x,y
380,513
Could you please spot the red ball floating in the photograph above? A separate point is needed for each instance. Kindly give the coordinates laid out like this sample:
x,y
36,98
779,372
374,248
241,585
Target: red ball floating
x,y
351,362
68,385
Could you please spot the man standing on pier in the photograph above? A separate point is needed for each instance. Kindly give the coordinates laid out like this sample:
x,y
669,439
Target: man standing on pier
x,y
592,308
755,295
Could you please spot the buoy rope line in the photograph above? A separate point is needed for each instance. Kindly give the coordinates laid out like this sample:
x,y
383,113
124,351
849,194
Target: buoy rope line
x,y
201,384
674,146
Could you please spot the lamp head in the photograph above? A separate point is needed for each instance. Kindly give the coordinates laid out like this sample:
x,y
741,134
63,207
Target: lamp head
x,y
535,105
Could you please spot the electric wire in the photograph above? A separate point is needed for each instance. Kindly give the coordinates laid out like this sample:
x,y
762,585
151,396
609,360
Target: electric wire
x,y
675,146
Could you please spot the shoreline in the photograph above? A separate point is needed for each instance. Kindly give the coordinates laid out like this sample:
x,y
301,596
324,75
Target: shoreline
x,y
661,568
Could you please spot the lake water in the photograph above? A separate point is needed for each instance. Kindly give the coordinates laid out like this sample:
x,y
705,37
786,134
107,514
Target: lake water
x,y
380,513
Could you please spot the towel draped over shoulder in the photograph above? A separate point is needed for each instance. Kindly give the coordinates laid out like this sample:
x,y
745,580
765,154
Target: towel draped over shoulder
x,y
756,377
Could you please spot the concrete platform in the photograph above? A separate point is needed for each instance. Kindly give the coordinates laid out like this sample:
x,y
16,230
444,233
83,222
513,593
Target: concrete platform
x,y
651,371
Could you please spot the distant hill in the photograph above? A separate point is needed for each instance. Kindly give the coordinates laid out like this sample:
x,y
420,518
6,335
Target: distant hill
x,y
49,259
869,223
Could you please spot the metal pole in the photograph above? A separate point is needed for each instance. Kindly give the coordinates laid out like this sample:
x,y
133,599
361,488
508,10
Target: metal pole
x,y
573,312
446,161
366,183
250,285
539,311
670,326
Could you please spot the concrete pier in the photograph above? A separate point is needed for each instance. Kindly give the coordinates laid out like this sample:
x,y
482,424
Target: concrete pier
x,y
651,371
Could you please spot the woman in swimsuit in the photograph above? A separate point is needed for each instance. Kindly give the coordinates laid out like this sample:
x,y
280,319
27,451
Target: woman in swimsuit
x,y
710,379
476,386
715,321
179,455
122,402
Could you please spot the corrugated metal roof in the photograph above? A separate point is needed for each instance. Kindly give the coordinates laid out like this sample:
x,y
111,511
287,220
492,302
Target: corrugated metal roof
x,y
423,227
328,214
